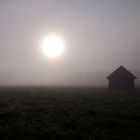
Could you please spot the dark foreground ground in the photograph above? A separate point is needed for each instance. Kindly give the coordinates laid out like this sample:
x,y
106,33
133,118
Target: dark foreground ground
x,y
68,114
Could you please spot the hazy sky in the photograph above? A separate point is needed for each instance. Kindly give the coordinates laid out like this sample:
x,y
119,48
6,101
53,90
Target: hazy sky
x,y
100,35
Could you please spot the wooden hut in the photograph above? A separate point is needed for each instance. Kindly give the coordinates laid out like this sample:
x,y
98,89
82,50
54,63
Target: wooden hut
x,y
121,79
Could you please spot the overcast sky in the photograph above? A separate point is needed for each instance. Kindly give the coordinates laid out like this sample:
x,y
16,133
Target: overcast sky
x,y
99,35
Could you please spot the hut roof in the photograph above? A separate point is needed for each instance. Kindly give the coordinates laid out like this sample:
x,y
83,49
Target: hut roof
x,y
121,69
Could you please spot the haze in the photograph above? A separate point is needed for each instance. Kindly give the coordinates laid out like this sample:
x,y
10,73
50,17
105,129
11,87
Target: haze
x,y
100,35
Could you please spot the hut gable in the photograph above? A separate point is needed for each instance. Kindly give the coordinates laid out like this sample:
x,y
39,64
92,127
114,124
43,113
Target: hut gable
x,y
121,71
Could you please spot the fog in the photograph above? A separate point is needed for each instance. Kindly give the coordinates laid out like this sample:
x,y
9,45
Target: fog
x,y
99,36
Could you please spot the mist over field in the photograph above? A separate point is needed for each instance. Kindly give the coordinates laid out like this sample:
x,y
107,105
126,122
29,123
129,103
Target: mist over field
x,y
99,36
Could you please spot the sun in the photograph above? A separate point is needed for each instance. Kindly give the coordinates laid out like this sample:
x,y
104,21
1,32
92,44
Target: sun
x,y
53,46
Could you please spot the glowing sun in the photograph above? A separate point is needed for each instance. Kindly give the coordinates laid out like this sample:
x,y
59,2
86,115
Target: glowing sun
x,y
53,46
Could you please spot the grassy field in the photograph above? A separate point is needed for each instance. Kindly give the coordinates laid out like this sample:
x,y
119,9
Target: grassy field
x,y
68,114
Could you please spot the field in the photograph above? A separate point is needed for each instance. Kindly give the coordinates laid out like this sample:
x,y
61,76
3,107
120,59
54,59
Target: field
x,y
31,113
